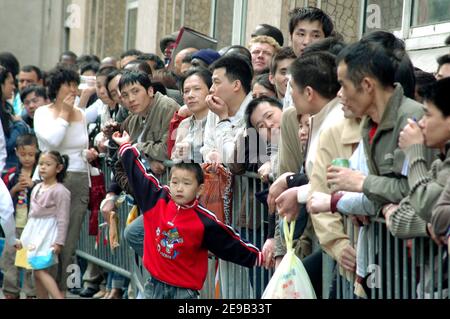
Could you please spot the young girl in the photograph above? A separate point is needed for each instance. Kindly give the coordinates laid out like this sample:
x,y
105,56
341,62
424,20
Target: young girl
x,y
46,229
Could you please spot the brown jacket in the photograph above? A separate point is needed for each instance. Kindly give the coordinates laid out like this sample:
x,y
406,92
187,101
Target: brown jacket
x,y
154,127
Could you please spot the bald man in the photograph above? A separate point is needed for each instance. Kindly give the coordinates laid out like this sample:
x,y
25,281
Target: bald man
x,y
179,59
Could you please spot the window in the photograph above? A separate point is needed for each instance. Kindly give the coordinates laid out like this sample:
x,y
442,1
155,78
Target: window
x,y
427,12
229,22
131,25
383,15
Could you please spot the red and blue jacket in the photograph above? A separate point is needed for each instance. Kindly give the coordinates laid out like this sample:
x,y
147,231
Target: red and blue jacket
x,y
177,238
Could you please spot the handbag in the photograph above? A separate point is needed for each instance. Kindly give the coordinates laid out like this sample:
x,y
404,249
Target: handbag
x,y
290,280
97,192
217,192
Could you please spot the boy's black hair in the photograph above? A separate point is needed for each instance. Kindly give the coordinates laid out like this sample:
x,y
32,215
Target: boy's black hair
x,y
236,68
133,77
89,66
132,52
283,54
331,44
317,70
310,14
159,64
60,159
32,68
38,90
26,140
423,79
58,76
263,80
444,59
191,167
105,71
367,59
254,104
438,93
203,73
139,65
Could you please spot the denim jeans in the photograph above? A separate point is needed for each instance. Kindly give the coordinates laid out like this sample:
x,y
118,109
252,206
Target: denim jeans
x,y
134,235
155,289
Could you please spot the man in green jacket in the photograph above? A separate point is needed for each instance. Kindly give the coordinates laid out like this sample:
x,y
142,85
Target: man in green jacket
x,y
366,74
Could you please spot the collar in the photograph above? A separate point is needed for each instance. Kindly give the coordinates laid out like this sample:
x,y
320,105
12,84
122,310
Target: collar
x,y
191,205
351,134
152,105
240,115
325,110
390,113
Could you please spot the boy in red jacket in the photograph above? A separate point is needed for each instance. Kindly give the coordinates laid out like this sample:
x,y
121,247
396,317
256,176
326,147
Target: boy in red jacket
x,y
178,232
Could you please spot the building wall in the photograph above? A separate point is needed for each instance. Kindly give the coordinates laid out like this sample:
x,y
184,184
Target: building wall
x,y
147,26
32,30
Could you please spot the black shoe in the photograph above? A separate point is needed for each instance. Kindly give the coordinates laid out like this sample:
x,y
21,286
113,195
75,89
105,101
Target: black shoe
x,y
74,291
88,292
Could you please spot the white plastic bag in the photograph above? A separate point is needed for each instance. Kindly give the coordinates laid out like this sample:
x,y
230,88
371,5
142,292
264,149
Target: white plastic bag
x,y
37,238
290,280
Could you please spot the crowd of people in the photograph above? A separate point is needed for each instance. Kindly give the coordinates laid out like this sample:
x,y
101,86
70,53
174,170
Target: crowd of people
x,y
285,113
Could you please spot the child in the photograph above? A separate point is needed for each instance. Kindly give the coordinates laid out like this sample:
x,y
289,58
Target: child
x,y
178,231
46,229
18,181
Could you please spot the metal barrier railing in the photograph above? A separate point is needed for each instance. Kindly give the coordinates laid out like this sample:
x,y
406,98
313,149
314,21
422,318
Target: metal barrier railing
x,y
404,266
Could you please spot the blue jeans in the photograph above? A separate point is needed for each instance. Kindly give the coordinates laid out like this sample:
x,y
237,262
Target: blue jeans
x,y
134,235
155,289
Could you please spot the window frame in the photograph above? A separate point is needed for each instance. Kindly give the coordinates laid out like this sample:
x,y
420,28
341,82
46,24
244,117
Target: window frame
x,y
131,5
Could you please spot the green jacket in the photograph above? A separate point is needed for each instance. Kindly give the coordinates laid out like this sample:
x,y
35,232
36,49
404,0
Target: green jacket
x,y
410,219
386,161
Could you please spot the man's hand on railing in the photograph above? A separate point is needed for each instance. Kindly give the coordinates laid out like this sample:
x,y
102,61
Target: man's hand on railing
x,y
318,202
275,190
107,206
387,211
215,159
268,251
287,204
264,171
438,240
347,258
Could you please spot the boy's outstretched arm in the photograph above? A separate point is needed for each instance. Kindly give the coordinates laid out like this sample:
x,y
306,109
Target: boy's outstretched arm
x,y
226,243
147,189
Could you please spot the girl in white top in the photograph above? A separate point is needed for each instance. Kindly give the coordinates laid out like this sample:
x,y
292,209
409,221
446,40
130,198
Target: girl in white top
x,y
62,127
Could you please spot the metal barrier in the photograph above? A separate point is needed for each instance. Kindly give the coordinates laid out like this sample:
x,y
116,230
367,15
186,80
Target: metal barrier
x,y
403,266
399,269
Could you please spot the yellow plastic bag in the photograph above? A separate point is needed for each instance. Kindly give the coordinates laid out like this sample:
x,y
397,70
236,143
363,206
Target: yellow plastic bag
x,y
290,280
133,214
114,230
22,259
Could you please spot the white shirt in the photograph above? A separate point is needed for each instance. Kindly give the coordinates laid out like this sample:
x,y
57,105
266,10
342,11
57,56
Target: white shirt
x,y
220,137
67,138
7,215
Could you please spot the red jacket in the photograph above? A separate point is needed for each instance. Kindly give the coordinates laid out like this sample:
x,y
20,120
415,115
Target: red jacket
x,y
176,238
